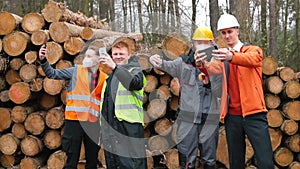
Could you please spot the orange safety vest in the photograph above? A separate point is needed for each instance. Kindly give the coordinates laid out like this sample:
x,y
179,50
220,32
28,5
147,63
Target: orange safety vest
x,y
81,104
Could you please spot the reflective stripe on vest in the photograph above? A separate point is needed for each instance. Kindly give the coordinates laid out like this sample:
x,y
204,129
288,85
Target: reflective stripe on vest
x,y
129,104
81,104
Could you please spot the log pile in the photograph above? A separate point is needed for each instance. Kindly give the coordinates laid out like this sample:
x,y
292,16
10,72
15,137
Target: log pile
x,y
32,106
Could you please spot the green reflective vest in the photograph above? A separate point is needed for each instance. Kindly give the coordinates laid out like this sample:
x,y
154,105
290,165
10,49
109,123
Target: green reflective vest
x,y
129,104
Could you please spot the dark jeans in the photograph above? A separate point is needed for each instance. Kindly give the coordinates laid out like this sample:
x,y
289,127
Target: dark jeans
x,y
124,146
256,128
74,133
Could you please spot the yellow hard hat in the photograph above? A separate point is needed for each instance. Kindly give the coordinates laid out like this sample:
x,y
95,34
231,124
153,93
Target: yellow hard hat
x,y
203,33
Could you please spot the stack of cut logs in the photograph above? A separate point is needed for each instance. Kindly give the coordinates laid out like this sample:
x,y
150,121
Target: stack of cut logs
x,y
32,105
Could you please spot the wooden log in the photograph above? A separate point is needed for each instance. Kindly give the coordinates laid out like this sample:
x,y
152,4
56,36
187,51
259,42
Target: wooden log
x,y
8,161
19,92
19,113
175,86
157,108
73,45
274,84
275,136
158,72
289,127
150,162
286,73
164,92
292,142
222,150
52,139
0,45
18,130
3,84
16,43
172,160
163,126
174,103
36,84
31,56
52,86
297,76
146,119
4,96
62,31
294,165
283,156
143,60
3,61
54,52
40,37
63,64
269,65
8,22
275,118
57,11
272,100
9,144
16,63
291,89
157,145
55,118
5,117
87,33
291,110
57,160
36,162
40,71
63,95
47,101
175,45
165,79
31,145
152,83
28,72
101,157
12,77
32,22
34,123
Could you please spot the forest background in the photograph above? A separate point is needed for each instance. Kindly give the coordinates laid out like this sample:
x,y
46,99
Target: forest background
x,y
272,24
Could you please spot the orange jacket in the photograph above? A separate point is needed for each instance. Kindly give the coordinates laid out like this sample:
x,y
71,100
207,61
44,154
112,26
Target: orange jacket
x,y
249,62
81,104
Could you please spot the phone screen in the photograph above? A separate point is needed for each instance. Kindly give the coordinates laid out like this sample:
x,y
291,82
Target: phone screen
x,y
208,52
102,52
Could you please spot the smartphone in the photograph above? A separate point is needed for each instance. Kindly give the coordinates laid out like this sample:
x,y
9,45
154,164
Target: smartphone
x,y
102,52
208,52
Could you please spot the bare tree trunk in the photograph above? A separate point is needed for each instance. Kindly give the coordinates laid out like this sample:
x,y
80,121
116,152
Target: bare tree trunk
x,y
214,15
273,28
285,23
264,37
139,8
171,14
178,21
124,6
194,14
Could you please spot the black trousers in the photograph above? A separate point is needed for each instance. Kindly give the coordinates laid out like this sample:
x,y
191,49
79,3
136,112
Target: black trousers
x,y
124,145
76,132
255,127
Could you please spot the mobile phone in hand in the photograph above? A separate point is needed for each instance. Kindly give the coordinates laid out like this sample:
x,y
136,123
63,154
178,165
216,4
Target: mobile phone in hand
x,y
102,52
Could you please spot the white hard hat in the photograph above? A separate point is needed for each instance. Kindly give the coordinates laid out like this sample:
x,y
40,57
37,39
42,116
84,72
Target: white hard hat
x,y
227,21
